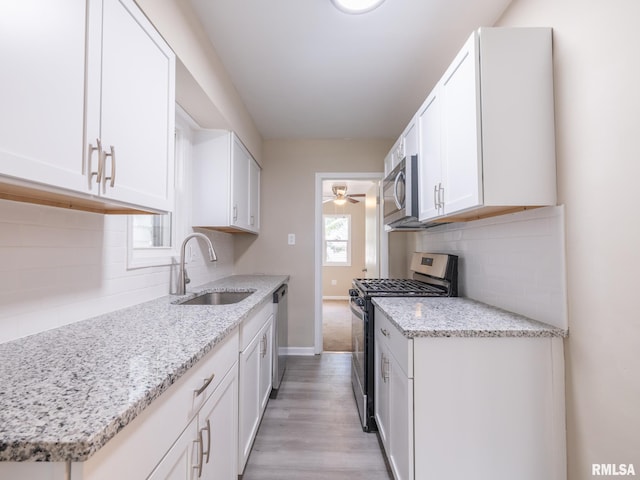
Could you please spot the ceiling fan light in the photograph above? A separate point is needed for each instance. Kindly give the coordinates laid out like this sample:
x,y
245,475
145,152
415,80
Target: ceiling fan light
x,y
340,201
357,6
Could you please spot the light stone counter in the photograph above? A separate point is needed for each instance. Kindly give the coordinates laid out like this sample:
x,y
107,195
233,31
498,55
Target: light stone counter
x,y
65,392
459,317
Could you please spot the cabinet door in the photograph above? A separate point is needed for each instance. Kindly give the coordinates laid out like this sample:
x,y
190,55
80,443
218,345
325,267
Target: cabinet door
x,y
429,156
239,184
400,417
177,463
254,195
42,52
218,423
266,363
381,389
249,399
132,108
461,148
410,139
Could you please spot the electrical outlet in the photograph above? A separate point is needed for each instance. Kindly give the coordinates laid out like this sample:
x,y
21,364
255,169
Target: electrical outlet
x,y
334,282
291,239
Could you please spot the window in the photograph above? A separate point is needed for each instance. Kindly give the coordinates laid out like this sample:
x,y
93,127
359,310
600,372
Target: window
x,y
151,231
153,240
336,234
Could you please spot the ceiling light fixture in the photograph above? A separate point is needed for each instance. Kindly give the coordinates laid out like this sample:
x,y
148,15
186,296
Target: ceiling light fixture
x,y
340,201
357,6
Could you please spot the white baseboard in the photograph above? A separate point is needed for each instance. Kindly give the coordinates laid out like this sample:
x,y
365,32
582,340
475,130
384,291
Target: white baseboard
x,y
299,351
335,297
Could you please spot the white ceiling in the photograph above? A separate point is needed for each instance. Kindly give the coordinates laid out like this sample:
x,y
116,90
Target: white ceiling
x,y
306,70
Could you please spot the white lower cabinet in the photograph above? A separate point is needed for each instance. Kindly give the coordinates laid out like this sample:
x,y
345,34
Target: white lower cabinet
x,y
176,464
394,400
454,408
196,414
202,427
256,368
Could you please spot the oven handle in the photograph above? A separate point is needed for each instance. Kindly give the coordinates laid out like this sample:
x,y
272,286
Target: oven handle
x,y
357,309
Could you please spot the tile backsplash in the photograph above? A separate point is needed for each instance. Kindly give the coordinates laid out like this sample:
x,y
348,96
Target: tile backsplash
x,y
60,266
515,262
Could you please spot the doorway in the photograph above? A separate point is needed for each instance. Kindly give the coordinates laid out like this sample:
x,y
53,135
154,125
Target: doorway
x,y
348,238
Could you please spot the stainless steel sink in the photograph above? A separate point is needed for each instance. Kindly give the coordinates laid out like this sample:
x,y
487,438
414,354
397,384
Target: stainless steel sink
x,y
226,297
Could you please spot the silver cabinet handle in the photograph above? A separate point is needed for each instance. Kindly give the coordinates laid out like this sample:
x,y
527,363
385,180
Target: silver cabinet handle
x,y
235,213
386,369
111,154
252,219
208,429
98,173
435,197
263,345
204,386
441,195
198,466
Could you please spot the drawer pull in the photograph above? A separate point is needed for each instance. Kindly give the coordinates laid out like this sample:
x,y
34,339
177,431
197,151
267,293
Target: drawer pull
x,y
112,154
98,173
198,466
204,386
208,429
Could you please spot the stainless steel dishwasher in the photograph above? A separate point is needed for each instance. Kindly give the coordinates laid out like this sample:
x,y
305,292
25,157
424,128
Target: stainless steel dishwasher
x,y
280,334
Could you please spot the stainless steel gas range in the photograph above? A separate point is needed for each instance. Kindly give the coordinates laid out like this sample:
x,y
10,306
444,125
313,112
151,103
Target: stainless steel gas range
x,y
434,275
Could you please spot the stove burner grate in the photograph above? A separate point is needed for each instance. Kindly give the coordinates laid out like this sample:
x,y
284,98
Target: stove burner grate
x,y
399,286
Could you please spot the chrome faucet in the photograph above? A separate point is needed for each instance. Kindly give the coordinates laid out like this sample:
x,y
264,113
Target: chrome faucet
x,y
183,279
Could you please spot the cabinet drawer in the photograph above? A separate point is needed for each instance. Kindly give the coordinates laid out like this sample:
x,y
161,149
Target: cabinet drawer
x,y
210,371
152,433
250,327
399,346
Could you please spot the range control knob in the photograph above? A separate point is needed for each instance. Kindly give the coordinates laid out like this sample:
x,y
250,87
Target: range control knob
x,y
353,292
359,301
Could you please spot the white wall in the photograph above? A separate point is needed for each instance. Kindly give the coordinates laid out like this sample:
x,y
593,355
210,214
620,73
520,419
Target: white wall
x,y
288,206
515,262
59,266
597,74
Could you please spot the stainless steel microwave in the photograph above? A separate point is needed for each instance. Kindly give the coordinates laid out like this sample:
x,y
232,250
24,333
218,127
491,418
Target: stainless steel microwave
x,y
400,195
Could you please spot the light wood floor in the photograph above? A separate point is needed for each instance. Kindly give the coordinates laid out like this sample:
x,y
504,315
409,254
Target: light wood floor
x,y
312,431
336,326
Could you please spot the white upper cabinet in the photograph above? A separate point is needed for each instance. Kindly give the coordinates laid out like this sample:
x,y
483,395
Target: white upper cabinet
x,y
42,52
486,131
429,159
226,183
132,109
88,106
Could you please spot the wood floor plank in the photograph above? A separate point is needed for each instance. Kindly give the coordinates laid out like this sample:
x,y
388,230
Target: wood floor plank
x,y
312,429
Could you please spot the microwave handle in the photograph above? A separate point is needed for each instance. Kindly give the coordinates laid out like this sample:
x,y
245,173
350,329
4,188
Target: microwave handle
x,y
395,189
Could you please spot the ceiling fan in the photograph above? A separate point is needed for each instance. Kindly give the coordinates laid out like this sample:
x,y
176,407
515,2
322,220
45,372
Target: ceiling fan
x,y
340,196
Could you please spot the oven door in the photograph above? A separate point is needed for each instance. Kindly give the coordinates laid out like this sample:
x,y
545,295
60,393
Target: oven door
x,y
359,324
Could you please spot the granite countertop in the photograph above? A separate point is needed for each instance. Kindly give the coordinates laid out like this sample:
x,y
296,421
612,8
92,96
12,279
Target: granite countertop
x,y
459,317
65,392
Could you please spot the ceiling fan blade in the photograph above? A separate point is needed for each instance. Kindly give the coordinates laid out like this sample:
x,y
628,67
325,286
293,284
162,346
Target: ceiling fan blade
x,y
352,200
